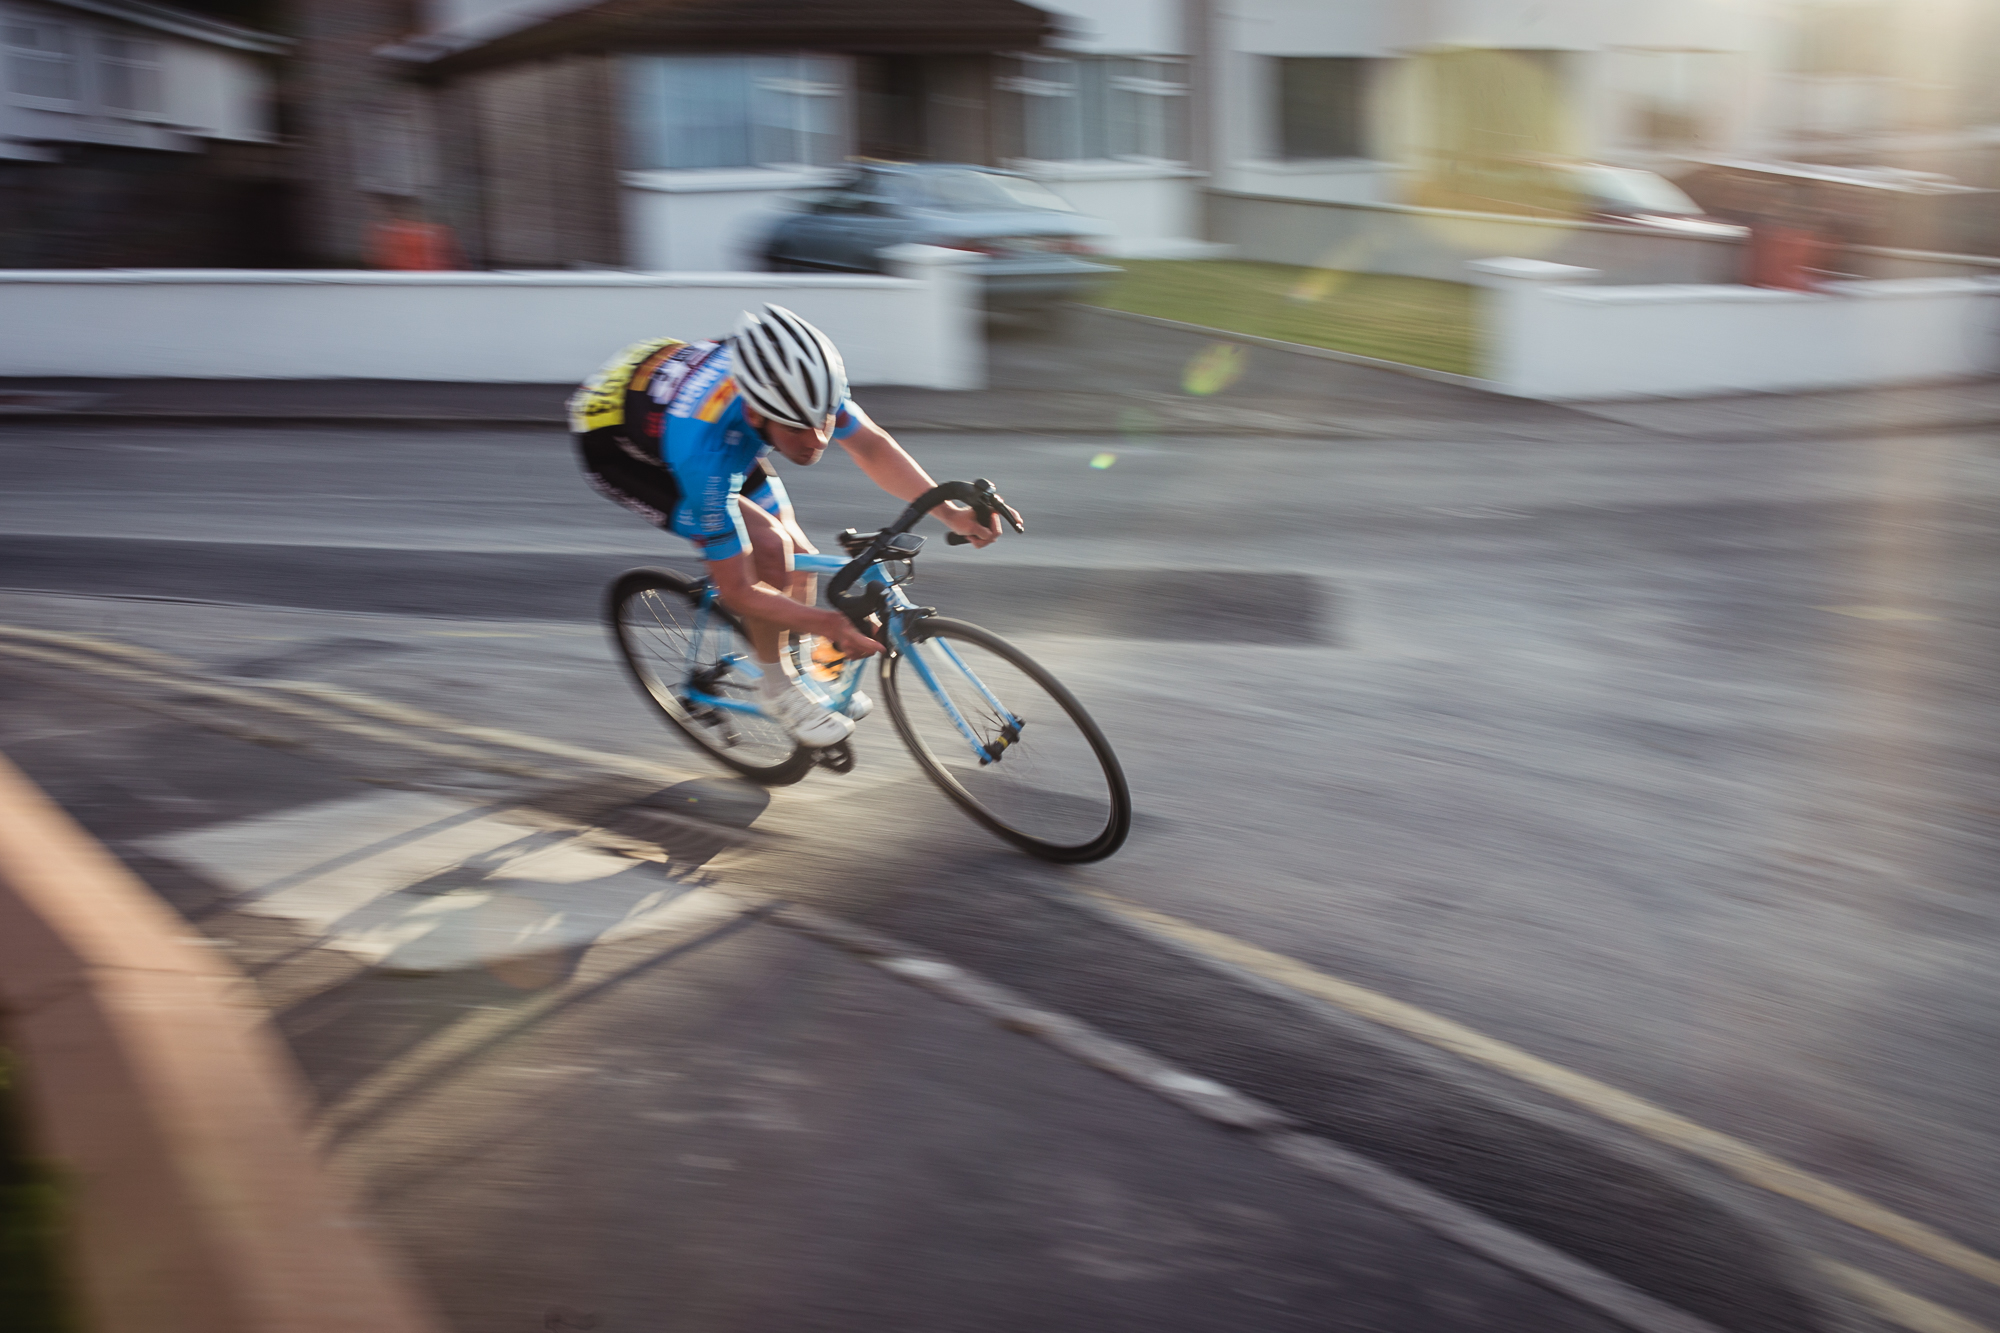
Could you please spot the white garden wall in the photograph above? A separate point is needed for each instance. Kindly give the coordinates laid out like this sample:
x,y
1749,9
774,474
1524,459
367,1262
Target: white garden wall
x,y
1152,209
710,221
921,327
1548,336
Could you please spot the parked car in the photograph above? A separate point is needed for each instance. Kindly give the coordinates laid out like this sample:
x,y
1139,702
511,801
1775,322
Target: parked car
x,y
1911,210
1036,249
1641,198
1564,188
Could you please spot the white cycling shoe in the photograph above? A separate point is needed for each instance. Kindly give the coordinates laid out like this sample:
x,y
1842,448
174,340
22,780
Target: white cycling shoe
x,y
859,706
810,722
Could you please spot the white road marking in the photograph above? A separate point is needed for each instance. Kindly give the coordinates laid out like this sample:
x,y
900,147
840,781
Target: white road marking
x,y
422,883
1740,1159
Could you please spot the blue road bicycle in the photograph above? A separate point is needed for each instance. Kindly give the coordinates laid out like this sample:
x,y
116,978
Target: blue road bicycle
x,y
995,731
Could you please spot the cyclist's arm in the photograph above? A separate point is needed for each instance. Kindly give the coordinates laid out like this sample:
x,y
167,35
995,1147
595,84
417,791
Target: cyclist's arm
x,y
890,466
736,585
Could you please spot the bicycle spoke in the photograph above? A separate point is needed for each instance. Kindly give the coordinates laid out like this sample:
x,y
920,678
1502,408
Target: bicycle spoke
x,y
1029,767
679,650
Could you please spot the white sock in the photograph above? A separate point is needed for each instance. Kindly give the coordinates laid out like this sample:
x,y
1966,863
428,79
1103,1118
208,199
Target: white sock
x,y
774,682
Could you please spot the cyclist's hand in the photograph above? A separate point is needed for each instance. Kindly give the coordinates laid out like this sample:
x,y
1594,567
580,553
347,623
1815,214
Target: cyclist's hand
x,y
848,639
961,519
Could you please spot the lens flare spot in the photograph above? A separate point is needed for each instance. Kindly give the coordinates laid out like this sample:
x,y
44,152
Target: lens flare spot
x,y
1103,461
1213,369
1317,285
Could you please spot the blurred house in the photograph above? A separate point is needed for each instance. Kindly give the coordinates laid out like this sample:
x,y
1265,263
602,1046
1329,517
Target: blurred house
x,y
1907,85
662,134
658,133
133,134
655,134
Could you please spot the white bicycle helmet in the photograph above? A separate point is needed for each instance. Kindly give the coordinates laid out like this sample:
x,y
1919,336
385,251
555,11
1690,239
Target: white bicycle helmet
x,y
787,369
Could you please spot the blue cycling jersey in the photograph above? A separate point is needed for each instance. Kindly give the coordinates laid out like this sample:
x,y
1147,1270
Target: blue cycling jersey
x,y
709,446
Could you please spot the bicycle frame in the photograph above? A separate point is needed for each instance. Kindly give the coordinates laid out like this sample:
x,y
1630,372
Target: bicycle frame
x,y
897,607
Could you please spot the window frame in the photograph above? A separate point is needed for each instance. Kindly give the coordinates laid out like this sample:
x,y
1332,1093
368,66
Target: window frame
x,y
101,61
76,34
1278,146
1087,93
649,101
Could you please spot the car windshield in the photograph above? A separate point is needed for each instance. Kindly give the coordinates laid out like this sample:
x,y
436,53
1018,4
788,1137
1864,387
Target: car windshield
x,y
982,192
1628,187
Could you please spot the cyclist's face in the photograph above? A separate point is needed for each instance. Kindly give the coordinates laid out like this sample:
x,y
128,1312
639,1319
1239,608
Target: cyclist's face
x,y
800,444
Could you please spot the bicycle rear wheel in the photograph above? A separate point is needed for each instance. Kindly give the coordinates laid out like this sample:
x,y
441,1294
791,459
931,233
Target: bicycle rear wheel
x,y
673,645
1043,777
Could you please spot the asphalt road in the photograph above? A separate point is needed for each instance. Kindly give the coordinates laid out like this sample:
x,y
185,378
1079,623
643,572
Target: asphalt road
x,y
1670,763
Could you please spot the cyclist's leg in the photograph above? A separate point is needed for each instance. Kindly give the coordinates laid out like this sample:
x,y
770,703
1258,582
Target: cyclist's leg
x,y
773,542
770,497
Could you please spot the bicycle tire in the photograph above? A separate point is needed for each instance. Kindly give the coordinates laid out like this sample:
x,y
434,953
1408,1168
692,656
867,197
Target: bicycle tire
x,y
650,613
1059,800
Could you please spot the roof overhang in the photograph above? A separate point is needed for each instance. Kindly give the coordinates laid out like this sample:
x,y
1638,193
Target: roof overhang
x,y
180,23
857,26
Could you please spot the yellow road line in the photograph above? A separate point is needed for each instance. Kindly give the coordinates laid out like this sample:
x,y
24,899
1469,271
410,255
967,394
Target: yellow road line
x,y
157,666
228,694
1732,1155
1893,1303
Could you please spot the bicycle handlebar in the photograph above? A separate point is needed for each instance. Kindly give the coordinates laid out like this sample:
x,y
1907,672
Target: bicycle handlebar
x,y
979,494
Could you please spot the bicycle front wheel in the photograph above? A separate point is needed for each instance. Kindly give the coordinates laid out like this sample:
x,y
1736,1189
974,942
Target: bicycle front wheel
x,y
1002,738
685,656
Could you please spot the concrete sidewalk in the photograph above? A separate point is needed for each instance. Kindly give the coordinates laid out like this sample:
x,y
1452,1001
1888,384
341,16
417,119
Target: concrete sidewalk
x,y
1099,373
725,1124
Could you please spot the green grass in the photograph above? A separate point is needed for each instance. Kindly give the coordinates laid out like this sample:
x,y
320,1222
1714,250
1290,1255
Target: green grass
x,y
1417,321
31,1296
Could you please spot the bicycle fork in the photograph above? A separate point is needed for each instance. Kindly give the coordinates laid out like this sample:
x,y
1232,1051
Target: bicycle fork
x,y
1010,730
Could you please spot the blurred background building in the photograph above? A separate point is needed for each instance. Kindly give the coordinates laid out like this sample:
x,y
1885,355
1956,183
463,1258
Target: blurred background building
x,y
661,133
134,134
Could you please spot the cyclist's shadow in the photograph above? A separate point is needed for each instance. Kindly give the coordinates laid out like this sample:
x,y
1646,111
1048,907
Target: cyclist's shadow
x,y
694,821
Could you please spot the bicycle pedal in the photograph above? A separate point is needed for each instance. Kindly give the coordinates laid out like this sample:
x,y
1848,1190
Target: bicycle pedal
x,y
837,757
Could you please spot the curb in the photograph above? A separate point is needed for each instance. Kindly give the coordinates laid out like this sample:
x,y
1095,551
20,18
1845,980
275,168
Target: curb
x,y
155,1083
1261,1123
1866,430
1618,1203
1428,430
1300,429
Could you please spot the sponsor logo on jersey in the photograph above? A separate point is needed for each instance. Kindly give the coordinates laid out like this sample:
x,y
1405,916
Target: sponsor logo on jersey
x,y
693,392
600,401
717,402
679,364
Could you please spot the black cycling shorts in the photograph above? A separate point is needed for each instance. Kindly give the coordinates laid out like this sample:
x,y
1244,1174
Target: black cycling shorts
x,y
619,471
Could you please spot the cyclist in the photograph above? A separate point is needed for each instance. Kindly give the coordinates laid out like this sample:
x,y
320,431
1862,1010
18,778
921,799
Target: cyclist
x,y
680,433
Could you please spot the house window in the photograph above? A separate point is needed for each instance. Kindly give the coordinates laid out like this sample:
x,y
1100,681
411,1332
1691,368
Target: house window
x,y
41,61
1321,107
695,112
389,156
1094,108
128,75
